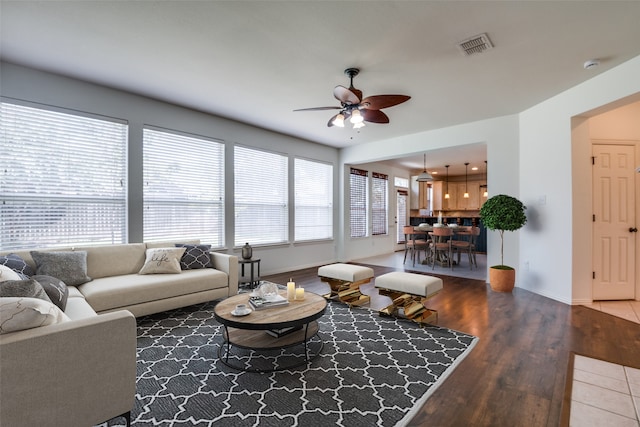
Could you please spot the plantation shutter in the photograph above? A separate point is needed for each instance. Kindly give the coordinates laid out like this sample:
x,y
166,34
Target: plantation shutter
x,y
261,197
379,214
313,200
358,202
402,213
63,179
183,188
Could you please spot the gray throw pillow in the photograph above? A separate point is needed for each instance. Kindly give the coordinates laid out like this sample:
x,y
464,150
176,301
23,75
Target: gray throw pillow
x,y
17,264
195,256
23,288
70,267
56,290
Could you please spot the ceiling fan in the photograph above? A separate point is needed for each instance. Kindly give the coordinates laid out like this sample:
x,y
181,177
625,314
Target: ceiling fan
x,y
356,109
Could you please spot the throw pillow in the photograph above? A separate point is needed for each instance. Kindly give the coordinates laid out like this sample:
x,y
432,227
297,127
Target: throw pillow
x,y
7,273
17,314
23,288
56,290
17,264
70,267
162,260
195,256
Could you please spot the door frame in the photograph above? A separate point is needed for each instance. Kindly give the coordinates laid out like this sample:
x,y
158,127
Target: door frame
x,y
636,144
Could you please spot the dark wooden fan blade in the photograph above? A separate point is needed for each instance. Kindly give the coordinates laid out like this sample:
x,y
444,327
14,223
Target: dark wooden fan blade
x,y
330,122
318,109
345,96
374,116
377,102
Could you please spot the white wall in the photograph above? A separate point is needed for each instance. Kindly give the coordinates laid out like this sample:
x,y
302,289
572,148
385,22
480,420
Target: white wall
x,y
555,182
50,89
501,137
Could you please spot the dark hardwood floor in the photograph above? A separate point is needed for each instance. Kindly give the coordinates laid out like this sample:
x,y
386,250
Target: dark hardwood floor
x,y
515,375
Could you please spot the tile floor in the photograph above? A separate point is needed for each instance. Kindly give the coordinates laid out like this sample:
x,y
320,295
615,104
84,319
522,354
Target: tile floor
x,y
629,310
604,394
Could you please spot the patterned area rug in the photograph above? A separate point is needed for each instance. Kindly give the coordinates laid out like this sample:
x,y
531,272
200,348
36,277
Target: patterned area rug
x,y
372,371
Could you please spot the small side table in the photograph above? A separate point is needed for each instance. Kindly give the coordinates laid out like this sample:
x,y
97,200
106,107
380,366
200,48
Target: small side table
x,y
254,279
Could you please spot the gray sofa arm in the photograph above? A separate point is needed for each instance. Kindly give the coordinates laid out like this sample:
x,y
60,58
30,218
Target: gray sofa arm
x,y
76,373
228,264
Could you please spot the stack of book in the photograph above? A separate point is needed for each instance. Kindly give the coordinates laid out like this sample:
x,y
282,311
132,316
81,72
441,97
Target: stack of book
x,y
260,303
283,331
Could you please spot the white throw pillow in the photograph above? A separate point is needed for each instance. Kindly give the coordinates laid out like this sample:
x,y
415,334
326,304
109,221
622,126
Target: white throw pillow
x,y
162,260
8,274
19,313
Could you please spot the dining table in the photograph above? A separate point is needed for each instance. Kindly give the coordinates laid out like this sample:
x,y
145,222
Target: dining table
x,y
459,232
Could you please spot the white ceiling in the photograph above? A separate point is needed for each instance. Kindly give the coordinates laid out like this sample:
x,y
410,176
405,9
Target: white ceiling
x,y
257,61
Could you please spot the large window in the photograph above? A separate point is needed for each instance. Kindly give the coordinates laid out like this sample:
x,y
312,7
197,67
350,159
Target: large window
x,y
183,188
379,213
358,202
313,200
261,197
62,179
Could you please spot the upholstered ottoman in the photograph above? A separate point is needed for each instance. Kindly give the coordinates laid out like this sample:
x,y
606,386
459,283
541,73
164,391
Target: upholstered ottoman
x,y
409,291
345,281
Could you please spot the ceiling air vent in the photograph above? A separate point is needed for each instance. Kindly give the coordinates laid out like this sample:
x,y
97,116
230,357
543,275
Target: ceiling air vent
x,y
475,44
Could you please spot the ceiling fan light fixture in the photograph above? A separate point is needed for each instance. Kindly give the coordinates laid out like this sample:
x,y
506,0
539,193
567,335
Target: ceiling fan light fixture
x,y
358,125
339,120
356,117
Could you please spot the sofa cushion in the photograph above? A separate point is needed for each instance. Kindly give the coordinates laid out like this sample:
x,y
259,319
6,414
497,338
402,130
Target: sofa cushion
x,y
55,288
68,266
195,256
162,261
7,273
19,313
17,264
109,293
23,288
114,260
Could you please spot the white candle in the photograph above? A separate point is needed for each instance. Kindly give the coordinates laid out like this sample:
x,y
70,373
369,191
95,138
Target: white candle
x,y
291,290
300,293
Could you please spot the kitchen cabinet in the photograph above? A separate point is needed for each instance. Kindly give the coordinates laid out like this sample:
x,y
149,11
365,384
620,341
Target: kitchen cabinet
x,y
414,195
457,201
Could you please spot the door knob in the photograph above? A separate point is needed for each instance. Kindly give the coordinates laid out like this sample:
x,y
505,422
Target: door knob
x,y
633,230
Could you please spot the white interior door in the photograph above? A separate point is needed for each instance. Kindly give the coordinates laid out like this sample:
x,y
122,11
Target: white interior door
x,y
614,221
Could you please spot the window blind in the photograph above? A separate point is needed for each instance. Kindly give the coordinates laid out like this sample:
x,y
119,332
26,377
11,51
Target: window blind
x,y
402,213
183,188
358,202
379,214
63,179
313,200
261,197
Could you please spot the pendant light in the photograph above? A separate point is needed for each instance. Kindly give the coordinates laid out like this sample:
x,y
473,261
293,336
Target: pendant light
x,y
486,186
466,180
424,176
446,195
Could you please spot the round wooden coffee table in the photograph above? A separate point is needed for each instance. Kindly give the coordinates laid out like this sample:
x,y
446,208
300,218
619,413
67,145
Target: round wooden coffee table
x,y
249,332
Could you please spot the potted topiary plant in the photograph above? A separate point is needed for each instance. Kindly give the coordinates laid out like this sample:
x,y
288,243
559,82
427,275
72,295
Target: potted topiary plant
x,y
502,213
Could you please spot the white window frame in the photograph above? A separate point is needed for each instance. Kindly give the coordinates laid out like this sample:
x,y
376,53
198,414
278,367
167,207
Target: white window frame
x,y
313,200
63,179
261,197
183,193
379,204
358,198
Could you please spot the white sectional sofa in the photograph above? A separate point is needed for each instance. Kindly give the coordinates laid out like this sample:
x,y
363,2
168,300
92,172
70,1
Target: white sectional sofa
x,y
82,371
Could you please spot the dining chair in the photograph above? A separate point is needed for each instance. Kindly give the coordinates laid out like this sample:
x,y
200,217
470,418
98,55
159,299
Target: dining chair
x,y
441,246
467,244
413,245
